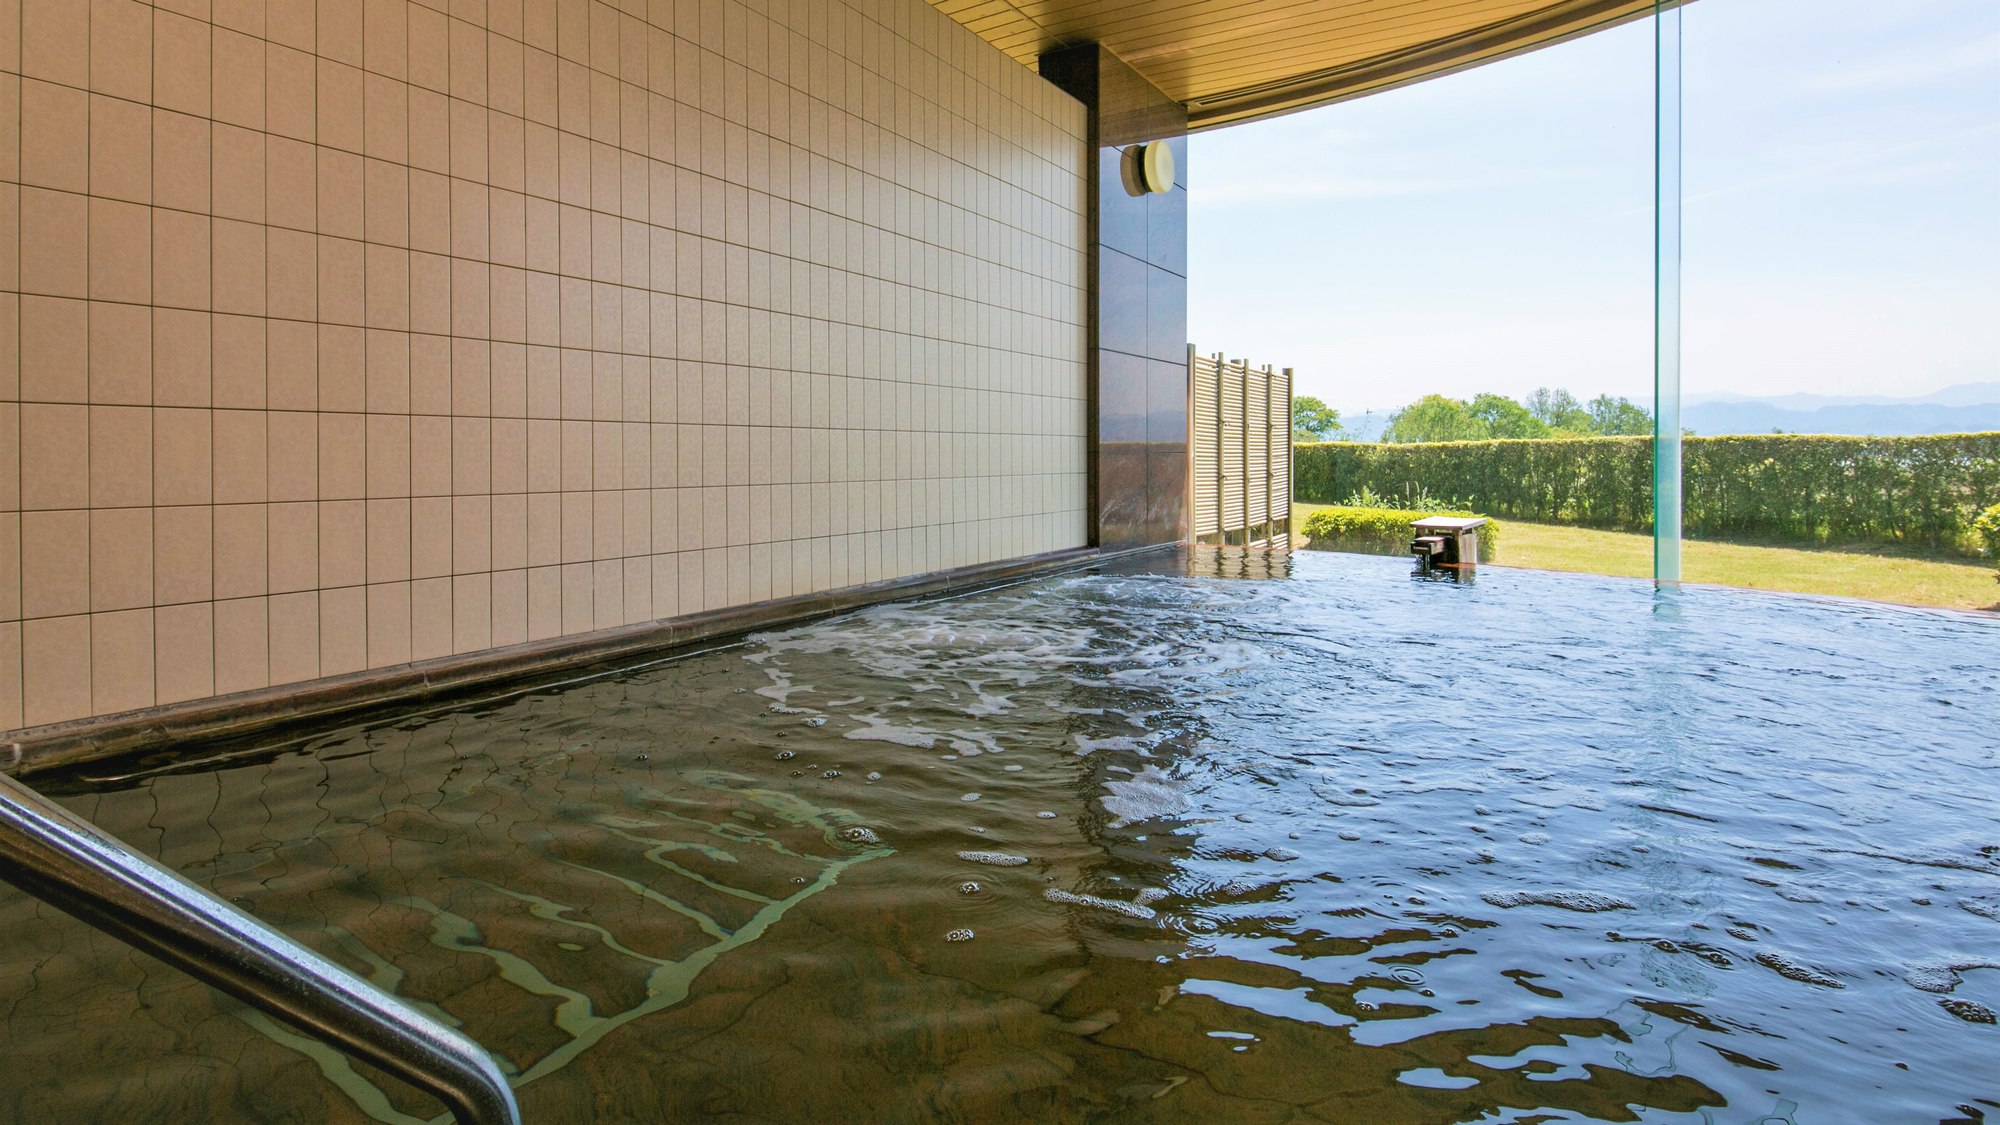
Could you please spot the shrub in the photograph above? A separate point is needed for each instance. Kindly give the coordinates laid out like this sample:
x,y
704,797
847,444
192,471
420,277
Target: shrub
x,y
1791,487
1987,530
1381,531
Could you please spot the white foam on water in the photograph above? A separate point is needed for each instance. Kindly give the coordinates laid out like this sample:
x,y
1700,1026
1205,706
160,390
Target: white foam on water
x,y
1149,795
1071,898
1585,902
1087,746
881,730
994,859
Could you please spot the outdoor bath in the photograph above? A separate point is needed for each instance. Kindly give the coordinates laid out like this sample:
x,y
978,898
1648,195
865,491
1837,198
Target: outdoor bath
x,y
1117,845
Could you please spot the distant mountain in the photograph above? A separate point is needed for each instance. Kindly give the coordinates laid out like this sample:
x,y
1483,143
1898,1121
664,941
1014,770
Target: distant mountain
x,y
1967,407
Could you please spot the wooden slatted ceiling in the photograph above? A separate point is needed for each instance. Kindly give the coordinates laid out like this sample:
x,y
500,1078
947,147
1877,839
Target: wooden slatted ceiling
x,y
1238,60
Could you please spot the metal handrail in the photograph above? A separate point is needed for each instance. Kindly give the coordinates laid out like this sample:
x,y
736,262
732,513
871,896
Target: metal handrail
x,y
67,862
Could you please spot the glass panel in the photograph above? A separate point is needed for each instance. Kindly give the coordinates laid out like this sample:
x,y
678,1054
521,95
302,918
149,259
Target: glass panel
x,y
1666,293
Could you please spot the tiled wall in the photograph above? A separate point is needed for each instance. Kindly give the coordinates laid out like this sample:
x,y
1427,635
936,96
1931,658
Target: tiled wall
x,y
347,333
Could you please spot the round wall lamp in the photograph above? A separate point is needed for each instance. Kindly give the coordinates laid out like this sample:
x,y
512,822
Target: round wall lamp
x,y
1149,168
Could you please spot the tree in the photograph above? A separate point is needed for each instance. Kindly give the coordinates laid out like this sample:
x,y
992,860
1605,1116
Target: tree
x,y
1506,418
1559,411
1616,417
1313,420
1435,418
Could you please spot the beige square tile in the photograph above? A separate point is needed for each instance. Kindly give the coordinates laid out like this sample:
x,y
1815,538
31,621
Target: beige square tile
x,y
238,79
545,602
242,645
510,608
121,354
430,536
579,614
291,277
343,456
121,558
181,162
10,567
341,283
121,456
293,455
55,334
388,453
291,373
343,630
183,555
184,652
55,669
238,279
181,58
237,345
471,534
246,16
385,37
430,294
386,207
180,358
121,266
181,249
430,131
388,371
510,532
241,457
55,136
183,450
388,288
55,449
430,455
468,141
388,624
430,374
242,543
339,102
55,41
430,619
343,368
430,49
385,119
340,32
55,231
290,96
10,676
343,543
293,549
121,149
237,181
55,563
544,528
295,639
341,193
472,612
388,540
294,25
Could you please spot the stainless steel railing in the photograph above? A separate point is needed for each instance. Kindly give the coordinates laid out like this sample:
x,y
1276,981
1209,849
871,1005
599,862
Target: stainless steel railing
x,y
63,860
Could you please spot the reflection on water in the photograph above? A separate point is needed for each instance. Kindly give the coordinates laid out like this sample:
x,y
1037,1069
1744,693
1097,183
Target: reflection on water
x,y
1127,846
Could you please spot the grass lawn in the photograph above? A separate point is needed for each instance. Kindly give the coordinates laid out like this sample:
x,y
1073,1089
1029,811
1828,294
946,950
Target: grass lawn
x,y
1880,576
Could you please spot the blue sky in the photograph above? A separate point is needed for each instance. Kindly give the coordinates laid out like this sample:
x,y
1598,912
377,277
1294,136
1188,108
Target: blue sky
x,y
1492,230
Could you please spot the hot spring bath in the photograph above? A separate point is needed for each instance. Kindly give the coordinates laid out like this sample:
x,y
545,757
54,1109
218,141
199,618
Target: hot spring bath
x,y
1122,846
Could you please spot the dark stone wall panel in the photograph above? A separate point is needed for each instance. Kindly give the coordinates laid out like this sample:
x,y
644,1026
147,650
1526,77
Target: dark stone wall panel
x,y
1137,244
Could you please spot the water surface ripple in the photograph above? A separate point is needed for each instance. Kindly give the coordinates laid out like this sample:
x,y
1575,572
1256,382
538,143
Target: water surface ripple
x,y
1122,846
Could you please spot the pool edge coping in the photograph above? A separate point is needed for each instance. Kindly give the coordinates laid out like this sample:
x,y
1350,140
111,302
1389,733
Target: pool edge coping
x,y
323,702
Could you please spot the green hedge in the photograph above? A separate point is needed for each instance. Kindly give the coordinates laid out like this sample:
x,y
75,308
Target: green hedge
x,y
1381,531
1792,487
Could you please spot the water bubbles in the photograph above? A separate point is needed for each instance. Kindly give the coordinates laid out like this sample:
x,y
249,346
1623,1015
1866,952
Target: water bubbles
x,y
1013,768
1045,815
970,797
969,888
1407,974
1280,855
784,755
642,757
859,835
994,859
1070,898
815,721
798,880
1583,902
874,776
830,774
959,935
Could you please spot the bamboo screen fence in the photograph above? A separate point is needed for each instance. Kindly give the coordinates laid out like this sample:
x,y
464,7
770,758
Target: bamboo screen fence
x,y
1240,448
